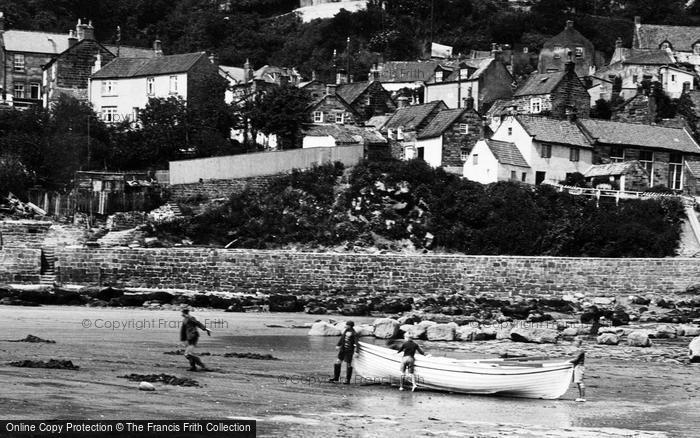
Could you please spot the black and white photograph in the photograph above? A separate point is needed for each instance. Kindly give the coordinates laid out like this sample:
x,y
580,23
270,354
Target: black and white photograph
x,y
349,218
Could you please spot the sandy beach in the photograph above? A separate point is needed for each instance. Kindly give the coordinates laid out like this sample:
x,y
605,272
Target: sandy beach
x,y
289,396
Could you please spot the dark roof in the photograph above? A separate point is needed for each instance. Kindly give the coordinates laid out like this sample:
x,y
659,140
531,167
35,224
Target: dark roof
x,y
553,130
693,167
569,36
351,92
441,122
75,47
409,117
506,153
695,97
633,134
479,65
611,169
131,51
407,71
542,83
650,57
133,67
499,107
344,134
650,36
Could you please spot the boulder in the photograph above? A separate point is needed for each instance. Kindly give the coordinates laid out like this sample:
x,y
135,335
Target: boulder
x,y
364,330
620,317
441,332
426,324
386,328
466,333
322,328
693,289
145,386
694,350
642,301
485,334
603,301
285,303
665,332
415,330
688,330
536,335
611,330
570,332
639,338
608,339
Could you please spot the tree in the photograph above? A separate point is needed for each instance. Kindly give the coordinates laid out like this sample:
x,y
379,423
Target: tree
x,y
601,110
280,111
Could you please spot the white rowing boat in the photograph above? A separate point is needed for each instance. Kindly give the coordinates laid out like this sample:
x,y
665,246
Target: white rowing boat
x,y
548,379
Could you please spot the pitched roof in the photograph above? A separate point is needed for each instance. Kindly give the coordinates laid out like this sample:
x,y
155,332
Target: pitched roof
x,y
351,92
633,134
131,51
133,67
567,37
409,117
506,153
693,167
695,98
542,83
235,73
499,107
650,57
480,64
344,134
610,169
441,122
35,42
650,36
554,130
407,71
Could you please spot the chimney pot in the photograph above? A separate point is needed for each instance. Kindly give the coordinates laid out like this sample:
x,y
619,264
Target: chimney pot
x,y
158,48
637,20
330,89
569,24
2,21
402,102
214,59
571,113
72,38
618,43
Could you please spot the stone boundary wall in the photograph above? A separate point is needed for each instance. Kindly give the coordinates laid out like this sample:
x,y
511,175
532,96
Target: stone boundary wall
x,y
250,271
20,265
218,188
23,233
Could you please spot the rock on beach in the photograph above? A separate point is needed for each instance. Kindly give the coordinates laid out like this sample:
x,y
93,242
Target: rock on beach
x,y
323,328
386,328
639,338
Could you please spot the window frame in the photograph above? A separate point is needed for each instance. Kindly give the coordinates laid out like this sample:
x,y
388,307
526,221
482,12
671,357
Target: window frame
x,y
648,164
614,157
536,102
109,88
463,128
32,87
151,86
19,90
675,171
172,84
475,159
109,114
19,62
578,52
545,150
439,76
574,154
318,116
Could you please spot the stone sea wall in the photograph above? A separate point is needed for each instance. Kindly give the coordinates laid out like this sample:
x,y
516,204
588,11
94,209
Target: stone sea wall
x,y
20,265
250,271
217,188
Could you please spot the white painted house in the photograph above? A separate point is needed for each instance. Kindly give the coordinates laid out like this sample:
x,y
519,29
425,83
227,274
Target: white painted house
x,y
553,148
676,80
120,89
491,161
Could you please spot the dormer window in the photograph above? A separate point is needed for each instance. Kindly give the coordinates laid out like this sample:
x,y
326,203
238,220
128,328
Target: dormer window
x,y
536,105
318,116
438,76
464,73
390,133
399,133
579,52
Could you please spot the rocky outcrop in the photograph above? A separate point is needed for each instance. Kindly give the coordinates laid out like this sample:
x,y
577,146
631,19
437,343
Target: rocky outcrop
x,y
639,338
323,328
386,328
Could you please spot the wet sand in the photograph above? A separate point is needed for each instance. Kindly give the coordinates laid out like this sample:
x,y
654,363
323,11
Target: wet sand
x,y
289,397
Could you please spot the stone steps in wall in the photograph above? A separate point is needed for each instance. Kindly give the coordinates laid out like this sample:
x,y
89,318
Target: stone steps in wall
x,y
47,279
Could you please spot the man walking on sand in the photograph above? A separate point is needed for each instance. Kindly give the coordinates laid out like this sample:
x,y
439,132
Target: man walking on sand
x,y
189,334
346,349
578,371
408,362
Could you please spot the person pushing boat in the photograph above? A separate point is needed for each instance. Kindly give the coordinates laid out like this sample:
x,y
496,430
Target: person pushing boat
x,y
578,362
346,349
408,363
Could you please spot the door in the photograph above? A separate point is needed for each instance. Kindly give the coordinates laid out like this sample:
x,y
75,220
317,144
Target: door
x,y
539,177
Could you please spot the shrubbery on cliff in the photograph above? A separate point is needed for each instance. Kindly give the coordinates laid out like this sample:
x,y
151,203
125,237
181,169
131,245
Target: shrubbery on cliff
x,y
381,204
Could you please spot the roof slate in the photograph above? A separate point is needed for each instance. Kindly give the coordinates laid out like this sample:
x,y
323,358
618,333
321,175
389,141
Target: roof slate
x,y
633,134
650,36
351,92
344,134
694,167
567,37
133,67
35,42
506,153
407,71
440,123
650,57
610,169
543,83
131,51
409,117
554,130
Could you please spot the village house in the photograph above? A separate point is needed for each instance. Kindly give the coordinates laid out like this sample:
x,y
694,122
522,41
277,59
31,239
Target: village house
x,y
556,50
552,148
633,67
623,176
329,135
483,79
367,99
491,161
449,137
402,128
245,82
408,78
682,41
553,94
68,73
599,88
692,177
676,81
331,108
123,87
662,151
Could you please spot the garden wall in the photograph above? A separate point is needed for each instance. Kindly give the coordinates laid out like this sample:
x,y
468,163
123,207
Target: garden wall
x,y
296,272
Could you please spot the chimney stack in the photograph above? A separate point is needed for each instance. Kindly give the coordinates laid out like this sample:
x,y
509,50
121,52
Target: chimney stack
x,y
402,102
570,113
2,21
85,31
569,24
313,75
158,48
72,38
469,101
214,59
637,20
341,77
247,72
330,89
618,43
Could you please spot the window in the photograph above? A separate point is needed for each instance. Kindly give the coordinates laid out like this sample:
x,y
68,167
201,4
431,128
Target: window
x,y
579,52
340,118
463,73
573,154
513,175
463,128
646,158
673,78
438,76
523,176
675,171
390,133
546,151
510,130
635,78
475,159
18,61
368,99
536,105
464,155
135,114
617,154
109,88
318,116
19,91
109,114
151,86
173,84
557,52
34,91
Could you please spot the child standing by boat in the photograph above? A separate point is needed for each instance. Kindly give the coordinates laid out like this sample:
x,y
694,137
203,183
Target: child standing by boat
x,y
409,349
578,362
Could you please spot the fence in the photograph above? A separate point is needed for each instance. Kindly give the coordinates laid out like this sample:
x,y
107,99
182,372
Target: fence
x,y
619,194
103,203
260,164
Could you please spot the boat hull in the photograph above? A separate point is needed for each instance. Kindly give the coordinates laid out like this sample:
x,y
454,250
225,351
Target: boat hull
x,y
541,379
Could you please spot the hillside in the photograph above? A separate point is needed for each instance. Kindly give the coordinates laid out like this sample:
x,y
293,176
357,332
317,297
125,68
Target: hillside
x,y
408,206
